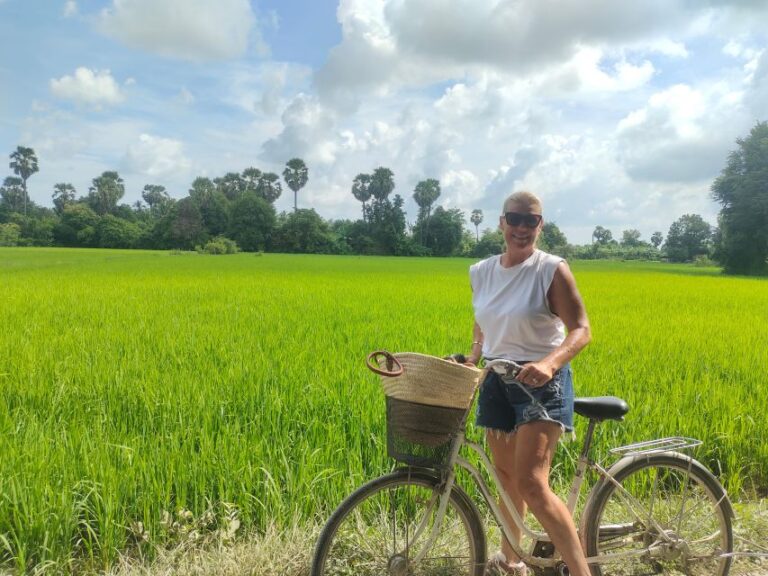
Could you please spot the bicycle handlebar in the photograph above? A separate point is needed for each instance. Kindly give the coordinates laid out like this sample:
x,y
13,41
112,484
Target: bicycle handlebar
x,y
502,366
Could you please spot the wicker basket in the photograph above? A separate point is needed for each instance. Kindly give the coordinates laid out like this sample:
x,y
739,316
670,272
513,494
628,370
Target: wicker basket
x,y
427,403
432,381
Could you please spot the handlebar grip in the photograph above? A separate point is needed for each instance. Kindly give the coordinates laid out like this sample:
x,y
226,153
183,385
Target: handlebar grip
x,y
373,361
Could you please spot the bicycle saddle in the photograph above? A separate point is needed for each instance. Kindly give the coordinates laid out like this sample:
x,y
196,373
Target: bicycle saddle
x,y
601,408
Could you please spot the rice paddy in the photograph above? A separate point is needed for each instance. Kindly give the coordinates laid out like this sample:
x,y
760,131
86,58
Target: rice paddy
x,y
147,396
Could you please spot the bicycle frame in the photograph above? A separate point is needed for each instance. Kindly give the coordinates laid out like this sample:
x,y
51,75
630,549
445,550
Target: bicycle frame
x,y
583,463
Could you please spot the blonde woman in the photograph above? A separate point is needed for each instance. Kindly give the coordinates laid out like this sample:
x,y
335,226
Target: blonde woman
x,y
528,309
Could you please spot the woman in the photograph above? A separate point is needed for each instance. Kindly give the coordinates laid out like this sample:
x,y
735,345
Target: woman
x,y
528,309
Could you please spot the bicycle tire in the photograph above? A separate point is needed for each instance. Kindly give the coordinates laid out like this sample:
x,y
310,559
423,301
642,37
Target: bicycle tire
x,y
355,541
686,501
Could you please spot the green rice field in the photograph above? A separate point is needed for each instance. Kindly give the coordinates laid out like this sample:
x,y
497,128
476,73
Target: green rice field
x,y
142,392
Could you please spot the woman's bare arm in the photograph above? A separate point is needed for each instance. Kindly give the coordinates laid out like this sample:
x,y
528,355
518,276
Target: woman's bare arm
x,y
564,301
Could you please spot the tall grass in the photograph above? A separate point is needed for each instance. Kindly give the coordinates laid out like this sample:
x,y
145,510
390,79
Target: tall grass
x,y
136,386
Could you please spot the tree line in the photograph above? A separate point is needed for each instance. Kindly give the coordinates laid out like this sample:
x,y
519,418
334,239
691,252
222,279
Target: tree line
x,y
236,212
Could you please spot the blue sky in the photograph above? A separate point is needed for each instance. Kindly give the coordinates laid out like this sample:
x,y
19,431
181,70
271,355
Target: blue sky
x,y
616,114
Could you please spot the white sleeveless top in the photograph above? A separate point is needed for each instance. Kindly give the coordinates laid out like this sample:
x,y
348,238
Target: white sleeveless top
x,y
512,309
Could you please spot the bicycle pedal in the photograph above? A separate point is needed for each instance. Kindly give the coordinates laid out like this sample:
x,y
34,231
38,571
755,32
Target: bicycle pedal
x,y
543,549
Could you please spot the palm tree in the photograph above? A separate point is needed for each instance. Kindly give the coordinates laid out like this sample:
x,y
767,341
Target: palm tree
x,y
476,218
63,193
251,177
360,189
105,191
296,175
24,164
269,187
232,185
382,183
425,194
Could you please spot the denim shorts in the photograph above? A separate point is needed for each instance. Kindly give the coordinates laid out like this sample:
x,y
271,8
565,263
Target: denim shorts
x,y
505,407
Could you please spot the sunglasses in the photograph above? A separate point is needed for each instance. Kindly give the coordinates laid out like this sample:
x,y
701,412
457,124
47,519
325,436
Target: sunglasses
x,y
527,220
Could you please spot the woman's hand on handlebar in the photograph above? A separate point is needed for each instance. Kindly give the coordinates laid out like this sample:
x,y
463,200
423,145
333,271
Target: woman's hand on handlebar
x,y
536,374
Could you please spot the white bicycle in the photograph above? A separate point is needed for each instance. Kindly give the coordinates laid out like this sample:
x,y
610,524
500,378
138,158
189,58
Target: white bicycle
x,y
655,510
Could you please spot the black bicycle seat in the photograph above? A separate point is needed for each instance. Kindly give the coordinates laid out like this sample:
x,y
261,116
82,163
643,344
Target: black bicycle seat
x,y
601,408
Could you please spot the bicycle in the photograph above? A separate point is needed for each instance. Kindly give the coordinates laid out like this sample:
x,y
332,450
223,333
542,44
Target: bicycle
x,y
653,511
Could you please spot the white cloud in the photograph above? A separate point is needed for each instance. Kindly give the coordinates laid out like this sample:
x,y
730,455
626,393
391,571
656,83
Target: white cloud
x,y
265,89
624,76
756,97
682,134
460,188
186,29
86,86
157,157
70,8
417,42
308,132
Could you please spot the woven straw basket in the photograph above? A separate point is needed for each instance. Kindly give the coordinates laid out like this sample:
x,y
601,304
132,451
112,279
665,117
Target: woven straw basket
x,y
432,381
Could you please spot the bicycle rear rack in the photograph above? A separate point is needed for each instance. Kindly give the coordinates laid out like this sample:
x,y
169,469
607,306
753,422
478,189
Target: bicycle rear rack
x,y
655,446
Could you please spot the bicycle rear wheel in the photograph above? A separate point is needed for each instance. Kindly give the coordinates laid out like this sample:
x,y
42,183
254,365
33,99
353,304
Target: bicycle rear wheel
x,y
669,515
383,528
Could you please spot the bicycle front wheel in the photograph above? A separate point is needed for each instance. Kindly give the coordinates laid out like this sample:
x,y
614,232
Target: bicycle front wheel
x,y
666,514
385,529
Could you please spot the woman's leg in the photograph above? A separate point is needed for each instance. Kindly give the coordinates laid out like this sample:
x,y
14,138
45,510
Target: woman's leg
x,y
502,447
536,443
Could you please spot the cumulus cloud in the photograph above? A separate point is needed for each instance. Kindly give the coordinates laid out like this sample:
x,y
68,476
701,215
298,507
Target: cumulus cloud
x,y
623,75
157,157
416,42
186,29
308,132
86,86
265,89
681,135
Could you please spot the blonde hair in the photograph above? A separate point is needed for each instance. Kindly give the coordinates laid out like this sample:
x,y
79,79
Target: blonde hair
x,y
522,198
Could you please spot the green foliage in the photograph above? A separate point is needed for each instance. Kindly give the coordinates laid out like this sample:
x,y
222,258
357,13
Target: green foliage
x,y
35,231
114,232
64,194
631,238
184,225
551,237
105,192
491,242
252,222
656,239
232,185
688,237
251,176
476,218
361,189
75,220
303,231
742,191
10,234
612,251
295,175
269,187
442,232
218,245
12,194
425,194
386,226
24,164
143,388
602,235
382,183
